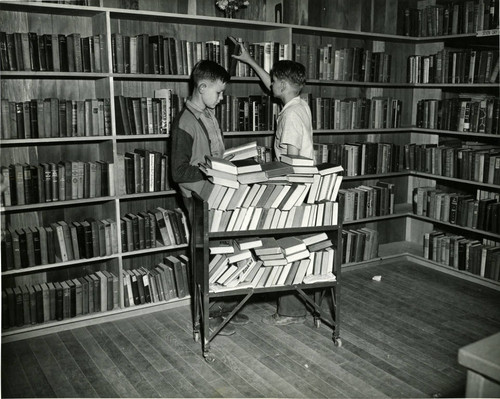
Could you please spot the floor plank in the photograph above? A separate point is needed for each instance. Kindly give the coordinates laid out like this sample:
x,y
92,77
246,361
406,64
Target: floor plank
x,y
131,374
82,386
88,366
105,364
35,374
14,380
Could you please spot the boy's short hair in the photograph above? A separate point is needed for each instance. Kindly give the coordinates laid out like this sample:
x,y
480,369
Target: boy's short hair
x,y
209,70
292,71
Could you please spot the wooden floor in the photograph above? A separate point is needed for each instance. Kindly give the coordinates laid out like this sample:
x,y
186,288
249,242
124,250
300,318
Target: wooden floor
x,y
400,339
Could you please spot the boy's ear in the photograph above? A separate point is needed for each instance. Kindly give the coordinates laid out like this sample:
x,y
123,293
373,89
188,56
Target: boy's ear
x,y
202,86
283,85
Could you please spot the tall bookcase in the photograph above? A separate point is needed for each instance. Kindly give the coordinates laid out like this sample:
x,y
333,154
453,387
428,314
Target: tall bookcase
x,y
400,234
418,224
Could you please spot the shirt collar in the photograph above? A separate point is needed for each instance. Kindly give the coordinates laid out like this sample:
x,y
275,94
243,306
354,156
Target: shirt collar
x,y
294,100
197,111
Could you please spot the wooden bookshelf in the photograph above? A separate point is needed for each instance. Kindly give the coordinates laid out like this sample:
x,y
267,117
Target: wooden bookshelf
x,y
358,28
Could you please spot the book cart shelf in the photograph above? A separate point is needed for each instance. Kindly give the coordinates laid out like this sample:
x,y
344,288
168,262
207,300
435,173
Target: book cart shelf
x,y
397,239
202,294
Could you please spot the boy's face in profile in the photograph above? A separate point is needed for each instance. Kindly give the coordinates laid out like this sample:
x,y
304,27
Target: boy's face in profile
x,y
276,87
211,92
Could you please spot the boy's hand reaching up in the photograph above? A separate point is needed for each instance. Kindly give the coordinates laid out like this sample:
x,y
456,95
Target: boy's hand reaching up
x,y
244,55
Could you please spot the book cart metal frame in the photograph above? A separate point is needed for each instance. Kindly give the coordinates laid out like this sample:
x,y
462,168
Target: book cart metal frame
x,y
201,294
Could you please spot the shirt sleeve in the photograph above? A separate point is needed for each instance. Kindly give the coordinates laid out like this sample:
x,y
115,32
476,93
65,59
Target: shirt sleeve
x,y
292,131
182,149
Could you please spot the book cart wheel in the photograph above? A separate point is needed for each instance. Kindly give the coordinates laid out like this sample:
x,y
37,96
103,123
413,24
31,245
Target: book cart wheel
x,y
209,358
337,342
196,336
317,322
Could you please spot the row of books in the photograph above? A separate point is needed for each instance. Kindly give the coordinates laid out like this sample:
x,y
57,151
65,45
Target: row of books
x,y
165,55
165,281
154,115
351,64
60,242
450,18
264,53
463,253
153,228
55,117
359,245
296,179
147,115
50,182
462,114
31,51
485,194
249,113
265,262
367,201
457,208
468,161
355,113
142,171
265,193
454,66
255,218
61,300
358,159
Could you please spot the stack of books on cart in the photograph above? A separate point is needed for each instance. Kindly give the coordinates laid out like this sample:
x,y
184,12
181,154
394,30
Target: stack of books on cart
x,y
267,262
247,195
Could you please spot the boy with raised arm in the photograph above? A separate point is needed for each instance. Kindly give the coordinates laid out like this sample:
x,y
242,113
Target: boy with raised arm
x,y
294,136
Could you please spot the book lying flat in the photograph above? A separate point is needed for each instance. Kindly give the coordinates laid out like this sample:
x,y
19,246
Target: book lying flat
x,y
269,246
291,245
313,239
220,164
252,177
276,168
247,165
327,168
248,243
218,173
224,182
244,151
305,170
221,247
296,160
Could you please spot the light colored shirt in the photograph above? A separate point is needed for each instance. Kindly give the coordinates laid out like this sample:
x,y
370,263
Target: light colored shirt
x,y
294,126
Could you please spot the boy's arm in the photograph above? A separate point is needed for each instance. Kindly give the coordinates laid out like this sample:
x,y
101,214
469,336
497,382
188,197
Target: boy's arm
x,y
292,150
261,73
182,149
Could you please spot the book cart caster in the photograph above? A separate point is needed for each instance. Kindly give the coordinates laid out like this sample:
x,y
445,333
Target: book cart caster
x,y
337,342
209,358
196,336
317,322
